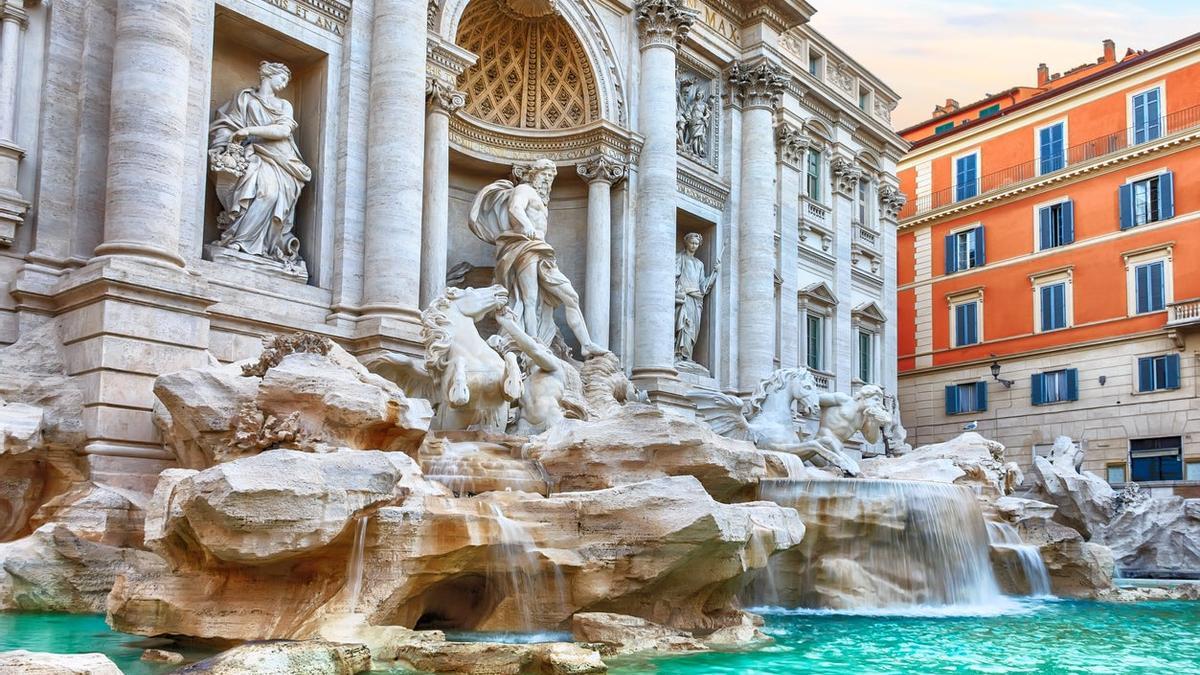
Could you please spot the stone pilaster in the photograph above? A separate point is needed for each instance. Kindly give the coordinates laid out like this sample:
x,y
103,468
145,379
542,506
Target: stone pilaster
x,y
12,204
395,147
442,102
791,145
891,202
844,174
600,174
662,26
759,89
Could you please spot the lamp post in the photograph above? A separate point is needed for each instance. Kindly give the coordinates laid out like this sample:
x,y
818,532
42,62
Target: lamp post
x,y
996,375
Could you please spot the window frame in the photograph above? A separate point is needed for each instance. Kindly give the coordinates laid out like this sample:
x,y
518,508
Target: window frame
x,y
1129,456
1161,86
1067,392
1041,280
1164,253
1168,358
978,154
813,160
980,402
1037,145
871,362
1108,468
979,244
823,341
958,299
816,58
1037,222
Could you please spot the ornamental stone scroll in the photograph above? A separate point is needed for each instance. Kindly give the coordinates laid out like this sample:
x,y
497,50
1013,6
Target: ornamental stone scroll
x,y
664,23
792,143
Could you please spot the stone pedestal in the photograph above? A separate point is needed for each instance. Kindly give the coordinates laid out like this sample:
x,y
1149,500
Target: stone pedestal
x,y
229,256
662,25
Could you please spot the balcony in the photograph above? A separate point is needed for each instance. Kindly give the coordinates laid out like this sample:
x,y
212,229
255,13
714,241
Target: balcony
x,y
815,214
1185,313
1097,148
866,236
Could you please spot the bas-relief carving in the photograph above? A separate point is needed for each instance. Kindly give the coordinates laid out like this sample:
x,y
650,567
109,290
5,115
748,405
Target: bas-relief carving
x,y
514,218
258,174
691,287
696,104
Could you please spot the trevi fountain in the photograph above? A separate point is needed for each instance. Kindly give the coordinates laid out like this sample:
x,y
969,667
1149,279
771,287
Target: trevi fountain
x,y
254,443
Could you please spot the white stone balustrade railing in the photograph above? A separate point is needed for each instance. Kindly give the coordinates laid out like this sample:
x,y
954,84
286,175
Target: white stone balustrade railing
x,y
866,236
1184,312
823,380
815,213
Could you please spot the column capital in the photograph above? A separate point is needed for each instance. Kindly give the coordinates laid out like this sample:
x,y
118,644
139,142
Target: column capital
x,y
13,10
601,168
760,85
846,174
664,23
891,201
792,142
441,98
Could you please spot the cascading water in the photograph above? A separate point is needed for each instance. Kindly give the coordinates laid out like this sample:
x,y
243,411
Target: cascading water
x,y
518,567
880,543
1003,536
354,570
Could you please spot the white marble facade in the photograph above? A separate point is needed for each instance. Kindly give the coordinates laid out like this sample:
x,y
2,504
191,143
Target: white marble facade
x,y
731,119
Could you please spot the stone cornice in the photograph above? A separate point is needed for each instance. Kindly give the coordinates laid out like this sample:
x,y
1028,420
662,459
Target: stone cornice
x,y
495,143
760,85
446,61
702,189
601,169
663,23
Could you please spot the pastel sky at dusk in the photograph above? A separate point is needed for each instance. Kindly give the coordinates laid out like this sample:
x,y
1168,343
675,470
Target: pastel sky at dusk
x,y
928,50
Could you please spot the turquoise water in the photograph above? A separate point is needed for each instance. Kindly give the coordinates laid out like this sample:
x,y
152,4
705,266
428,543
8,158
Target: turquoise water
x,y
1049,637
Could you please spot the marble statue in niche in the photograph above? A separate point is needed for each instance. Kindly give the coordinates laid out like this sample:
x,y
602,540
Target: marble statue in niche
x,y
258,174
691,287
514,218
693,123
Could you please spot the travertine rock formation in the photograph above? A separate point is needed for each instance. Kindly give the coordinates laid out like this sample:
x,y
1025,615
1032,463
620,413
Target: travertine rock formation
x,y
968,459
42,663
621,634
305,393
640,442
286,658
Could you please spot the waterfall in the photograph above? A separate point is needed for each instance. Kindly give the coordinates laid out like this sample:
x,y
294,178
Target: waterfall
x,y
791,463
354,570
880,543
1004,536
517,566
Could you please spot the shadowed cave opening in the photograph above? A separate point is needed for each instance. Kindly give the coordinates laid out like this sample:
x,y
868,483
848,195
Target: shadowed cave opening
x,y
460,603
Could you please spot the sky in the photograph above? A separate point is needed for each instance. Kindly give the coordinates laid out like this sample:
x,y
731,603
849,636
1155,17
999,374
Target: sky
x,y
931,50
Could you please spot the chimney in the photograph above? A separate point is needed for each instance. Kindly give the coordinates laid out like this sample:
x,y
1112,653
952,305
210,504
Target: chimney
x,y
1110,52
1043,74
949,106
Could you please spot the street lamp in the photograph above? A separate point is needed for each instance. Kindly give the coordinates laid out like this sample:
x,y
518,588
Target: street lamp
x,y
996,375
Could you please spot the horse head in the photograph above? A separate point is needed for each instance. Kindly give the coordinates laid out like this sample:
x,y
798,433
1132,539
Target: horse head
x,y
476,303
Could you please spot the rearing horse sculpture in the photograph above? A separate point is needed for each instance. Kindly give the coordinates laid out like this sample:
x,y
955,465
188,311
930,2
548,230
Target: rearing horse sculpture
x,y
767,418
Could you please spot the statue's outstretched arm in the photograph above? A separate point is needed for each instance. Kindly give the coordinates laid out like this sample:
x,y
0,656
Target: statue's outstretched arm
x,y
511,325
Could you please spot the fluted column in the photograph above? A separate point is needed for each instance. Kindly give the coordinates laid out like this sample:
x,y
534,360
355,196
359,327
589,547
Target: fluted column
x,y
147,126
12,205
600,173
759,89
442,102
662,26
792,145
395,148
845,175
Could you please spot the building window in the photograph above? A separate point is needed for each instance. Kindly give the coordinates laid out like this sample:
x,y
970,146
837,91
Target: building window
x,y
943,128
966,398
814,64
966,323
1191,471
864,99
1154,459
966,176
1150,294
1052,151
964,250
815,342
1052,311
812,175
866,356
1055,386
1156,373
1115,473
1147,200
1147,116
862,202
989,111
1056,225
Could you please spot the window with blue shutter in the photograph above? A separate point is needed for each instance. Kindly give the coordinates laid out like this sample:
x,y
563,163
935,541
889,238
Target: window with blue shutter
x,y
1147,200
1166,196
1158,372
966,324
1052,152
943,128
952,399
1056,225
993,109
1149,287
1147,120
1055,386
965,250
1053,306
966,175
966,398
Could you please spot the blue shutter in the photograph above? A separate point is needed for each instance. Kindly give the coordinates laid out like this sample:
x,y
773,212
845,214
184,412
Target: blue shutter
x,y
973,323
980,396
1045,241
1139,118
1072,384
1166,196
1152,115
1141,284
1067,234
1037,391
951,257
979,250
1146,373
1125,194
1047,307
1172,371
1157,287
951,399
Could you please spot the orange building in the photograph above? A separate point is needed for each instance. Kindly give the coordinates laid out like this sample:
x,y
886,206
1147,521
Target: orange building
x,y
1049,267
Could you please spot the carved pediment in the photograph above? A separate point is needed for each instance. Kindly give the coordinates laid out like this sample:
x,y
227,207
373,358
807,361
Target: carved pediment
x,y
818,293
869,312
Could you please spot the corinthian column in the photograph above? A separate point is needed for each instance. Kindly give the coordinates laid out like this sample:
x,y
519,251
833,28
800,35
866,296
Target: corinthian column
x,y
395,149
759,89
12,205
435,214
662,25
600,174
147,126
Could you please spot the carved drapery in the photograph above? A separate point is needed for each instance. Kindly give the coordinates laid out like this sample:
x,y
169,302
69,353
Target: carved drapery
x,y
531,73
757,86
664,23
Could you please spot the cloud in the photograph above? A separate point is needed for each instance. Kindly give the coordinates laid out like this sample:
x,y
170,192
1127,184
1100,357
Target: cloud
x,y
929,50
